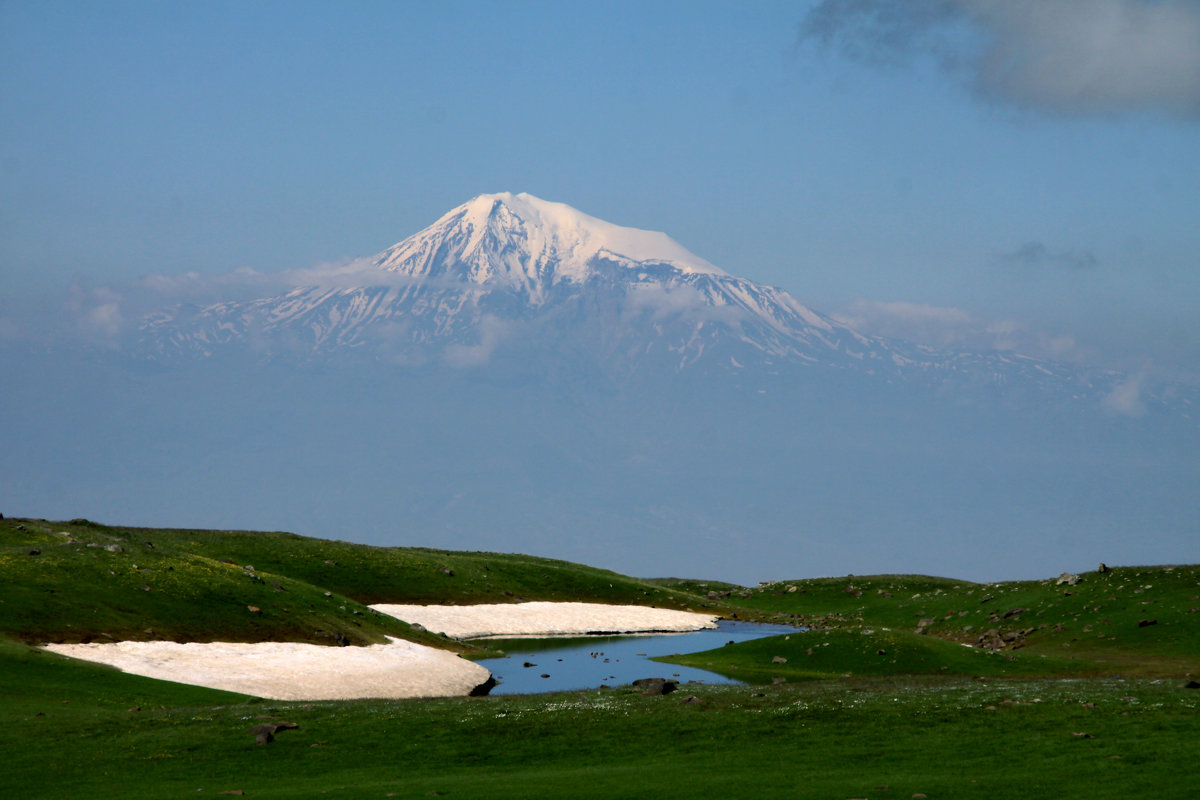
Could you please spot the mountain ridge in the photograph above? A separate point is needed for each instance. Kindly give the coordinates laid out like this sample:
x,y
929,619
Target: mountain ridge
x,y
514,258
511,272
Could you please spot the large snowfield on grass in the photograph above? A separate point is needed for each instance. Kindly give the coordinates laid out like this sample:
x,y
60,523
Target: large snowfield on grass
x,y
398,669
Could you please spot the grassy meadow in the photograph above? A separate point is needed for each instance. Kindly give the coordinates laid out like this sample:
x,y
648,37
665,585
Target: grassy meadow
x,y
905,686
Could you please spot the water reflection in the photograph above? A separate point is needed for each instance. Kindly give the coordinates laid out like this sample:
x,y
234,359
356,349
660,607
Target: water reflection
x,y
562,664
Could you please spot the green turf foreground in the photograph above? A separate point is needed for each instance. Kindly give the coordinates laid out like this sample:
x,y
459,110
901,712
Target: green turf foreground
x,y
940,738
1081,692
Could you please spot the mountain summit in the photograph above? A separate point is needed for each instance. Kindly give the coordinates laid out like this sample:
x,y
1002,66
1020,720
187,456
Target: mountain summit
x,y
528,244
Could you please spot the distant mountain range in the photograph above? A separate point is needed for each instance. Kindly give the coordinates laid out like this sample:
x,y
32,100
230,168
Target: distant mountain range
x,y
517,278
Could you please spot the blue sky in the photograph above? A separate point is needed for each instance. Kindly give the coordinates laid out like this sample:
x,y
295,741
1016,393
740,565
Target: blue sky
x,y
1020,174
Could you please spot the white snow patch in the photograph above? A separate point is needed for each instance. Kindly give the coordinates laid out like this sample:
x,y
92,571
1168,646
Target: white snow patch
x,y
546,619
398,669
291,670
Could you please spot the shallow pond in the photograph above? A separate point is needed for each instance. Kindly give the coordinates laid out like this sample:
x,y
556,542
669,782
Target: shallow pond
x,y
555,665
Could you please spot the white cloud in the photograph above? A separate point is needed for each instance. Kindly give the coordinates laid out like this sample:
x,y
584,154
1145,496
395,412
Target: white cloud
x,y
194,284
951,328
105,319
1091,56
1037,254
940,326
1070,57
1126,398
664,302
492,332
352,274
97,313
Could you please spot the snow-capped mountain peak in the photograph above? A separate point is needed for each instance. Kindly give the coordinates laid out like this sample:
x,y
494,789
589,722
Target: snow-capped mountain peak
x,y
502,264
541,282
521,241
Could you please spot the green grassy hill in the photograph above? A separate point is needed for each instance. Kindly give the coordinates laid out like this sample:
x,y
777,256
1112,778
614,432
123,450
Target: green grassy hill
x,y
1121,621
80,581
907,686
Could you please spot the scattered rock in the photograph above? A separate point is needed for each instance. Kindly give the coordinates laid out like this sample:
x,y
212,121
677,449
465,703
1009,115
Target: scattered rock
x,y
254,609
484,688
1081,735
237,792
35,552
690,700
1192,685
655,687
1067,579
447,571
1102,568
264,732
778,660
114,548
1145,623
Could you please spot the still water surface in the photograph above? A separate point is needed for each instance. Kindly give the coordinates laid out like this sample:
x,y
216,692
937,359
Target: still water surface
x,y
565,664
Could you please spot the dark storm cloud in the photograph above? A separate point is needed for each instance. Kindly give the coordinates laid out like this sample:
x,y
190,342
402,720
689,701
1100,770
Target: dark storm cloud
x,y
1036,254
885,32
